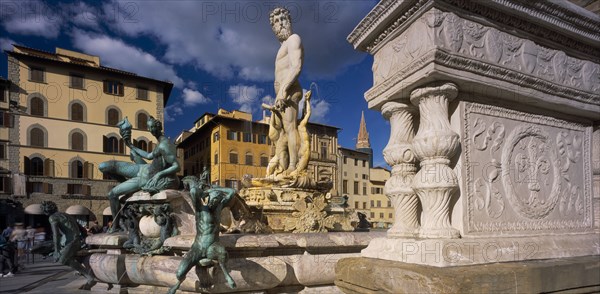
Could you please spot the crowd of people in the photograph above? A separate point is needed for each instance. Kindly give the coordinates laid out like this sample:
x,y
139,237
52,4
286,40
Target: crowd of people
x,y
17,241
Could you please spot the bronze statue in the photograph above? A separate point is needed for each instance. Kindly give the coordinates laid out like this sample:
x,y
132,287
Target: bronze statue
x,y
152,177
206,251
65,225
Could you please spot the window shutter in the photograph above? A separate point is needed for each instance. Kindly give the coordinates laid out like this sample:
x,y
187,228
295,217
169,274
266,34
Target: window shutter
x,y
121,93
87,190
28,187
105,86
88,170
150,146
26,165
7,185
49,167
45,188
104,144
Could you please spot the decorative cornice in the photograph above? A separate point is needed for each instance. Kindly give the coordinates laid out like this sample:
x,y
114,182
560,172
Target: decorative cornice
x,y
438,56
550,13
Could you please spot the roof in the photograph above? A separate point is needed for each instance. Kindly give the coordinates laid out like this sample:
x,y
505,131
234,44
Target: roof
x,y
353,150
78,62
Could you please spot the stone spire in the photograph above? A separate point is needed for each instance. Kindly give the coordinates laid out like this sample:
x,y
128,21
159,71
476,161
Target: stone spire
x,y
362,141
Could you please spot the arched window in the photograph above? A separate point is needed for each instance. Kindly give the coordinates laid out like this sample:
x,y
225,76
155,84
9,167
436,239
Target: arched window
x,y
37,137
142,145
76,169
142,121
249,158
264,160
113,145
233,157
37,167
113,117
77,141
76,112
37,106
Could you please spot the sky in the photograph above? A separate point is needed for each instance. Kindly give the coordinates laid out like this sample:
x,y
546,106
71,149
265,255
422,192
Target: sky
x,y
218,54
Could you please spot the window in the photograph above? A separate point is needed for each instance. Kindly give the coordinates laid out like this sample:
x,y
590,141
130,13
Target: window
x,y
389,204
355,162
37,137
345,160
2,94
77,141
262,139
36,74
3,150
345,187
113,117
364,188
76,112
231,135
216,158
142,121
372,203
378,203
381,215
111,145
76,81
216,136
76,170
142,145
36,167
355,187
233,157
37,106
355,175
372,215
249,158
113,87
356,204
365,177
324,150
364,205
6,119
247,137
142,93
232,184
364,163
390,215
264,160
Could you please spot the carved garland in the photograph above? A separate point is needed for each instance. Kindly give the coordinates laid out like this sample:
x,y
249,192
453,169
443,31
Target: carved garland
x,y
534,224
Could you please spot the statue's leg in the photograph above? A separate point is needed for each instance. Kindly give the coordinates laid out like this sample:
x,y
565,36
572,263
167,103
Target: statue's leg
x,y
68,257
218,252
127,187
291,128
190,259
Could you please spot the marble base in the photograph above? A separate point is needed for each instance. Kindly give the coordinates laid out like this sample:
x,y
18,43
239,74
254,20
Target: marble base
x,y
368,275
471,251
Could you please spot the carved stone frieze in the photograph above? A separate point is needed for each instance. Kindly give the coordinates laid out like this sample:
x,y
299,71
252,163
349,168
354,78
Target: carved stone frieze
x,y
473,47
524,172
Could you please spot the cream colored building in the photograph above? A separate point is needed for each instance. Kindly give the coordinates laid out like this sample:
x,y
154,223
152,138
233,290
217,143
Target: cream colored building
x,y
381,214
69,105
354,178
232,145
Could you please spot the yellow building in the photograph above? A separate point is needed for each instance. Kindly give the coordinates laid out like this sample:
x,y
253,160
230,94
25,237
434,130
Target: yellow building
x,y
64,125
381,214
5,124
354,170
232,145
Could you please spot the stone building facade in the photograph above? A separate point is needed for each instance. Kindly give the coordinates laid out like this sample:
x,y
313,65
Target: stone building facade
x,y
353,168
232,145
381,213
66,106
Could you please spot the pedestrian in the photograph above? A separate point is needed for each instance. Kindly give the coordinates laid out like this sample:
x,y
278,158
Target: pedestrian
x,y
30,235
19,236
5,258
7,232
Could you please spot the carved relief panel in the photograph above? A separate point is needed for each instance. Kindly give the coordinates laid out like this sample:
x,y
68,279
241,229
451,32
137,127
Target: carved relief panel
x,y
524,172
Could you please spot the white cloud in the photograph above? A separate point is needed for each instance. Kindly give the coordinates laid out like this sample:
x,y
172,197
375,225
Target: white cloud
x,y
172,111
83,15
193,97
34,18
245,96
269,100
115,53
6,44
232,39
319,108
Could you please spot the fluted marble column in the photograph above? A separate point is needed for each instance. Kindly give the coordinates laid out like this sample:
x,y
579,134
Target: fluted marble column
x,y
399,155
434,144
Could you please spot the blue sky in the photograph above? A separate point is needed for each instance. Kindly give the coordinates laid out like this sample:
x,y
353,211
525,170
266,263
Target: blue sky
x,y
217,53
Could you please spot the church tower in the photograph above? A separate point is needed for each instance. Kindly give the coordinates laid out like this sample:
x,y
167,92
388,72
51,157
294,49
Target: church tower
x,y
362,142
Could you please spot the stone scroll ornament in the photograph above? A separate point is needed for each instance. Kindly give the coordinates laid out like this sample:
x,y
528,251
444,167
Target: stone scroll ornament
x,y
206,251
153,177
